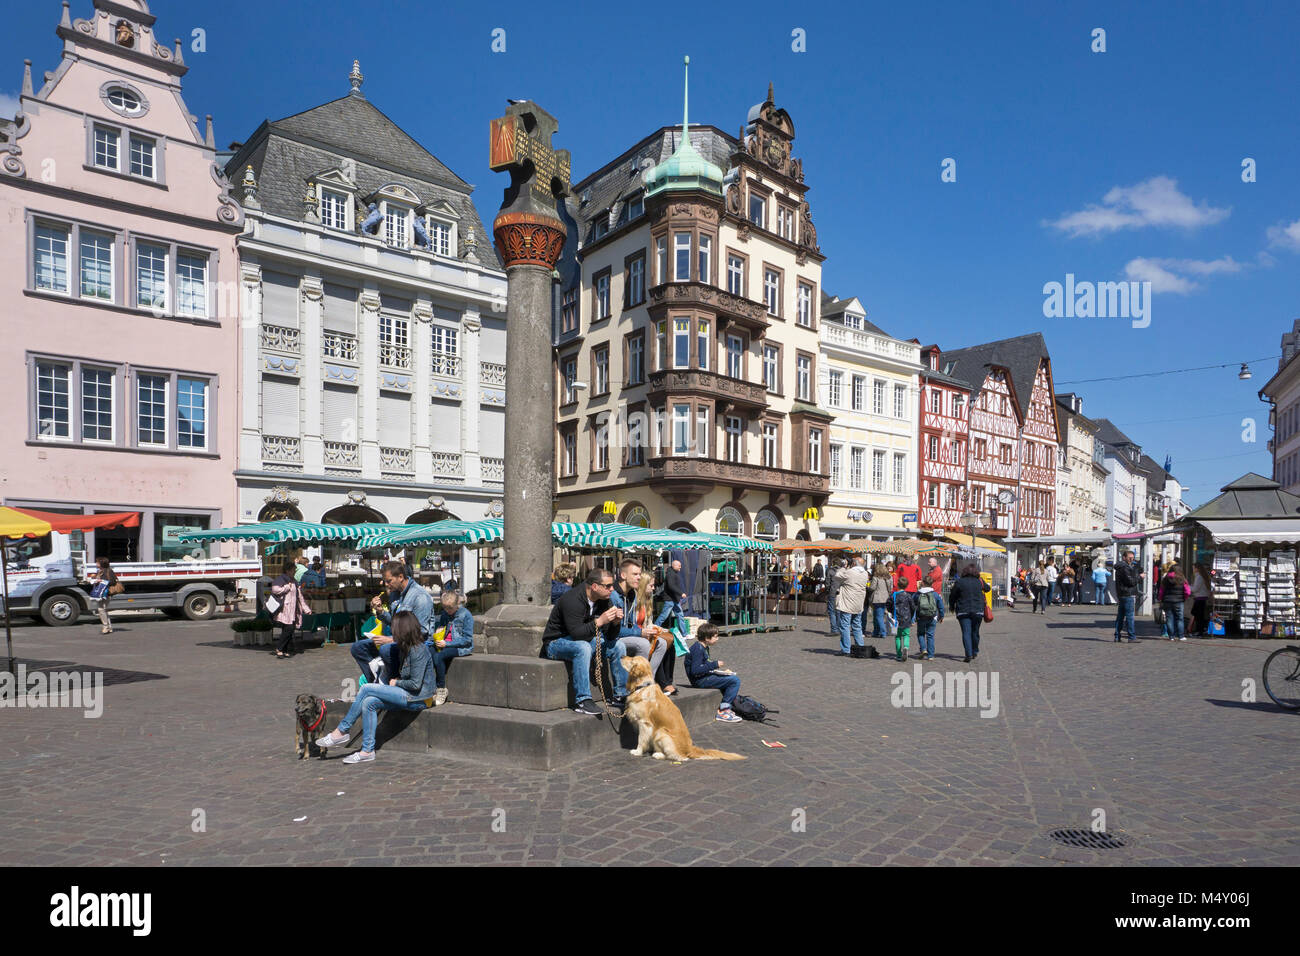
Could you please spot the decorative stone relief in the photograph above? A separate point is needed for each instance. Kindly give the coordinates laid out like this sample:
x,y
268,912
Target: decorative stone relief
x,y
228,210
13,131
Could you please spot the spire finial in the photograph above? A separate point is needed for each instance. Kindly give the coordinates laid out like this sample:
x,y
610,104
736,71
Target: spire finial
x,y
27,78
769,91
66,20
686,84
357,78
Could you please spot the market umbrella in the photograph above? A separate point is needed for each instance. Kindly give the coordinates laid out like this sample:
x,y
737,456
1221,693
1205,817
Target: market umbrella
x,y
824,544
28,523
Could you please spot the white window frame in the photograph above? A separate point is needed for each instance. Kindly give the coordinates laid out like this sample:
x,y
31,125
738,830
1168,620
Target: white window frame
x,y
681,332
636,360
569,375
143,142
814,451
835,388
735,356
804,305
759,202
166,409
66,231
112,265
703,342
837,464
102,134
113,376
772,291
877,396
681,257
858,468
900,401
442,235
900,473
736,275
771,445
600,370
772,369
342,206
735,429
803,377
681,430
858,394
877,470
636,281
391,219
704,258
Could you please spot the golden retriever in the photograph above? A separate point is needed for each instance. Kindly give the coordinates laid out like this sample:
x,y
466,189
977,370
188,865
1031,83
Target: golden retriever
x,y
659,724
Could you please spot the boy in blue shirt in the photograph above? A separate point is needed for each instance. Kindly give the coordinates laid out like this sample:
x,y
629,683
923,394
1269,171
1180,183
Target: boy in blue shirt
x,y
704,671
929,611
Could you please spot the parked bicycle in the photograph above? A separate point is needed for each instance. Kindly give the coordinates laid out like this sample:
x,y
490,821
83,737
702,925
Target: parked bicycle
x,y
1282,677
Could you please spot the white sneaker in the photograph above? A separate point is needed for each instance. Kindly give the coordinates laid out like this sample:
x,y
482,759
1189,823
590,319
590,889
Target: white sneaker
x,y
1182,638
440,698
359,757
376,667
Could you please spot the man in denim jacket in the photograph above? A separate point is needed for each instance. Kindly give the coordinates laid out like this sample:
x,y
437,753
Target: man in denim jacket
x,y
410,597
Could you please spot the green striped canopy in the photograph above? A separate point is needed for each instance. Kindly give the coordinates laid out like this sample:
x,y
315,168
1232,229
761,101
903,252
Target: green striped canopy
x,y
606,536
278,532
449,532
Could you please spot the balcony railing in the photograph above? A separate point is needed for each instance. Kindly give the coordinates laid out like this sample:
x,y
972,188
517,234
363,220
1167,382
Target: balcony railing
x,y
739,474
445,365
753,315
395,459
280,338
339,345
395,356
491,373
281,448
710,383
448,466
341,454
494,470
865,342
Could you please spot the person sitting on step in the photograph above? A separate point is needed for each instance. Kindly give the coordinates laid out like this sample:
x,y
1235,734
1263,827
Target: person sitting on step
x,y
456,626
574,631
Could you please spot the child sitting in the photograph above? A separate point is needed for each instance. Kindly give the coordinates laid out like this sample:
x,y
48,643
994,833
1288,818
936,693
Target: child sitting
x,y
703,671
904,613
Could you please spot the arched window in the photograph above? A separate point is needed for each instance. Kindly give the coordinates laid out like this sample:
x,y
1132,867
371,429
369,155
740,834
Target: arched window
x,y
730,522
278,511
637,515
766,525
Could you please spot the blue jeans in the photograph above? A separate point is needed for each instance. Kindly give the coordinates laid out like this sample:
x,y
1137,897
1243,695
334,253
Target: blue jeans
x,y
850,624
441,658
670,607
1124,617
615,651
1174,619
579,653
729,685
371,699
832,614
878,620
925,636
363,652
970,632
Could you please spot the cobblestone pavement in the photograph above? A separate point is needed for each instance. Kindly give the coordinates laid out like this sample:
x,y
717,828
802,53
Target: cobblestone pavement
x,y
1155,735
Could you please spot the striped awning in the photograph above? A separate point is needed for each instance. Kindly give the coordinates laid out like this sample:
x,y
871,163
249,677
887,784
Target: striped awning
x,y
593,536
279,532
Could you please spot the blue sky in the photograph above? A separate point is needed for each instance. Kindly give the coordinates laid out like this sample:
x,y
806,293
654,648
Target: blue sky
x,y
1114,165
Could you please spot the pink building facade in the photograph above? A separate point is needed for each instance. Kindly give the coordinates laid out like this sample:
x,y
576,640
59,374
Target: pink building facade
x,y
120,292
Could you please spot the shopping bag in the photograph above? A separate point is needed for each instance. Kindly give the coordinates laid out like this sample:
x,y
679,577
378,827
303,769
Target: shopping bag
x,y
684,624
99,591
679,645
272,605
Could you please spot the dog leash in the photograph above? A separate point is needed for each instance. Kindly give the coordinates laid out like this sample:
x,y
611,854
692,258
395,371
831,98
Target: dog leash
x,y
600,689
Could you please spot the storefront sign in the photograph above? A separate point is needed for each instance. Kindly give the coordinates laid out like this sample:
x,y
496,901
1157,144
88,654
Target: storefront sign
x,y
860,516
910,516
171,532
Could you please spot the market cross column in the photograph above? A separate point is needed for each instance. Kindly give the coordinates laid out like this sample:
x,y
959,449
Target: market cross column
x,y
529,238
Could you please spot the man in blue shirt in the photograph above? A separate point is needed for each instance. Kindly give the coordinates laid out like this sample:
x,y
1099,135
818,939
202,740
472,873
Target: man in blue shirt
x,y
410,597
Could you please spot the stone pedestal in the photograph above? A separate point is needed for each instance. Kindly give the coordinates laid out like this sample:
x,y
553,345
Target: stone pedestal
x,y
512,629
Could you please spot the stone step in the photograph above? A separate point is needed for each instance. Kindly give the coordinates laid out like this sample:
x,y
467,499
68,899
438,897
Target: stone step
x,y
508,680
514,738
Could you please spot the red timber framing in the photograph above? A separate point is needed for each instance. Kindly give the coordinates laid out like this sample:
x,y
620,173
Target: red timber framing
x,y
943,448
1036,514
993,464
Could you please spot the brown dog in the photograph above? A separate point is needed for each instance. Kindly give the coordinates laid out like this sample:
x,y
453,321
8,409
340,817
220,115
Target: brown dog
x,y
658,722
309,711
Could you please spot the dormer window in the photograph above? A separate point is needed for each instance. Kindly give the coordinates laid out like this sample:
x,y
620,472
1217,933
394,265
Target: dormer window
x,y
396,225
635,208
852,321
335,210
440,236
600,227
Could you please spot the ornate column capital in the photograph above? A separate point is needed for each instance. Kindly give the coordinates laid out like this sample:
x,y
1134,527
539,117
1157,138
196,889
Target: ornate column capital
x,y
528,239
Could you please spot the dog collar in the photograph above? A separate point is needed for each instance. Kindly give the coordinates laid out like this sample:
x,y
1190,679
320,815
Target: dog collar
x,y
642,686
320,719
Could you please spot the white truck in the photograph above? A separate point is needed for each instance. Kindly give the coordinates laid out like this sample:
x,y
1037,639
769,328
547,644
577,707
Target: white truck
x,y
47,579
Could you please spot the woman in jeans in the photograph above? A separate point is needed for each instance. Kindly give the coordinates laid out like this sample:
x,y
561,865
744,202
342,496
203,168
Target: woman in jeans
x,y
106,577
1173,592
966,600
413,689
881,588
292,607
1041,587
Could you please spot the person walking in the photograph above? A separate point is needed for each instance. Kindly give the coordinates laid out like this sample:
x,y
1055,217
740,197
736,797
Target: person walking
x,y
1174,591
966,600
1128,584
929,612
1100,583
292,607
852,584
1038,584
674,591
102,593
1052,576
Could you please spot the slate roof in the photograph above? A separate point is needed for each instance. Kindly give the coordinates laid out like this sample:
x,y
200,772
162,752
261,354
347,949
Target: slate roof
x,y
1019,355
286,153
1156,475
1110,435
833,308
1250,496
621,177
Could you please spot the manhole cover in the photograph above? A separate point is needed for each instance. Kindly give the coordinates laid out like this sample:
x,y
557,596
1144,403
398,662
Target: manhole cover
x,y
1089,839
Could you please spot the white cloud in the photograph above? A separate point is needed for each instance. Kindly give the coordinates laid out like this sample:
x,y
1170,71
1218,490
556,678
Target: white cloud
x,y
1171,275
1155,202
8,105
1286,235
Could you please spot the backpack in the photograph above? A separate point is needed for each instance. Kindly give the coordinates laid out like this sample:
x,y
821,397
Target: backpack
x,y
926,606
750,709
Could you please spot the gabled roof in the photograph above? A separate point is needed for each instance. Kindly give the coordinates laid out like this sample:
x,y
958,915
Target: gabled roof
x,y
285,154
834,308
1250,496
1020,356
360,126
1110,435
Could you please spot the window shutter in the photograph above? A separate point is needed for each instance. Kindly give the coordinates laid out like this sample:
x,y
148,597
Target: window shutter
x,y
340,421
393,303
280,407
280,299
340,309
395,421
444,431
492,433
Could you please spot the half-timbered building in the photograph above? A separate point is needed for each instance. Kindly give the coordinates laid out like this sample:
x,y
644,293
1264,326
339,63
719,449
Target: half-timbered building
x,y
944,420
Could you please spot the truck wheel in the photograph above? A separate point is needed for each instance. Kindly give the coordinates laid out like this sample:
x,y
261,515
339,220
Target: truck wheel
x,y
200,607
60,610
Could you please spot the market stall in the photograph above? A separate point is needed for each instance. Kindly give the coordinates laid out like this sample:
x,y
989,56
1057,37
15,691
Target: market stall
x,y
1248,537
